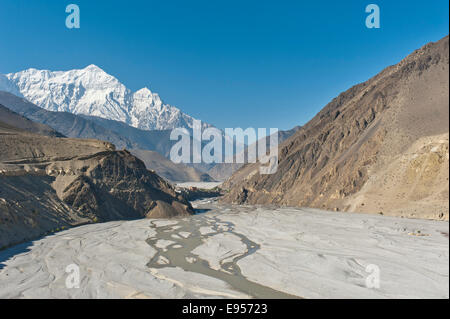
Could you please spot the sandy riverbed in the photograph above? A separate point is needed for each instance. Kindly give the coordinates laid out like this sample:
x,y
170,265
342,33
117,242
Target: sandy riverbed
x,y
231,252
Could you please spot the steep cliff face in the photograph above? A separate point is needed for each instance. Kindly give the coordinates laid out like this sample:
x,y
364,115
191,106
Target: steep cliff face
x,y
370,149
49,183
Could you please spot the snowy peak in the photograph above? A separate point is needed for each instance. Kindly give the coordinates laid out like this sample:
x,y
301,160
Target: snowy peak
x,y
144,100
92,91
93,68
145,93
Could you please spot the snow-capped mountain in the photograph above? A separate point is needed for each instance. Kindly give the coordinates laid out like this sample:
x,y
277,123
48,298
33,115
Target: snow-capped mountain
x,y
91,91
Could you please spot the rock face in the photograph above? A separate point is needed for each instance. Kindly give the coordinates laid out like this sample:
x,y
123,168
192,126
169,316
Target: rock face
x,y
116,185
380,147
48,183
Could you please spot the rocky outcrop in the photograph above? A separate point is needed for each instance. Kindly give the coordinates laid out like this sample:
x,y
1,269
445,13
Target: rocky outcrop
x,y
379,147
117,185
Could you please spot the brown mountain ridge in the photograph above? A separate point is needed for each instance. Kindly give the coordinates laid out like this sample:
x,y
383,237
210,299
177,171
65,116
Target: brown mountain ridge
x,y
379,147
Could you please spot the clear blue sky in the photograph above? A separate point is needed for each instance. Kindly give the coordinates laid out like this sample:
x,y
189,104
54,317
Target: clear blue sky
x,y
230,63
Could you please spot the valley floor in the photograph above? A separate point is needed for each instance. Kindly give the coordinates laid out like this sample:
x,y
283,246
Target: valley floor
x,y
229,251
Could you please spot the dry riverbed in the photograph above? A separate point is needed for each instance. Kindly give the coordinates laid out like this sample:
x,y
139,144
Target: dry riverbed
x,y
237,252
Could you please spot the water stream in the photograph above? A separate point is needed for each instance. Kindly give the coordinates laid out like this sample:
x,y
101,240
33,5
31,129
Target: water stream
x,y
179,253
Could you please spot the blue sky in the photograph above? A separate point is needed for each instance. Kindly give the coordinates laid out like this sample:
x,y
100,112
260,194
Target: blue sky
x,y
230,63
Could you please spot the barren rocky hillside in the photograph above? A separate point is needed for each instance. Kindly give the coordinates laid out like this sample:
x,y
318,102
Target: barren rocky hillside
x,y
16,120
49,183
379,147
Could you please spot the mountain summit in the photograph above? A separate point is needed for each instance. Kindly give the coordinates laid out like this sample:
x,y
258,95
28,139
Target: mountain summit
x,y
92,91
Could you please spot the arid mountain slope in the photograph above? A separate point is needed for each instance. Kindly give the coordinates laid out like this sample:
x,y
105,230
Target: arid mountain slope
x,y
47,183
69,124
379,147
154,140
15,120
